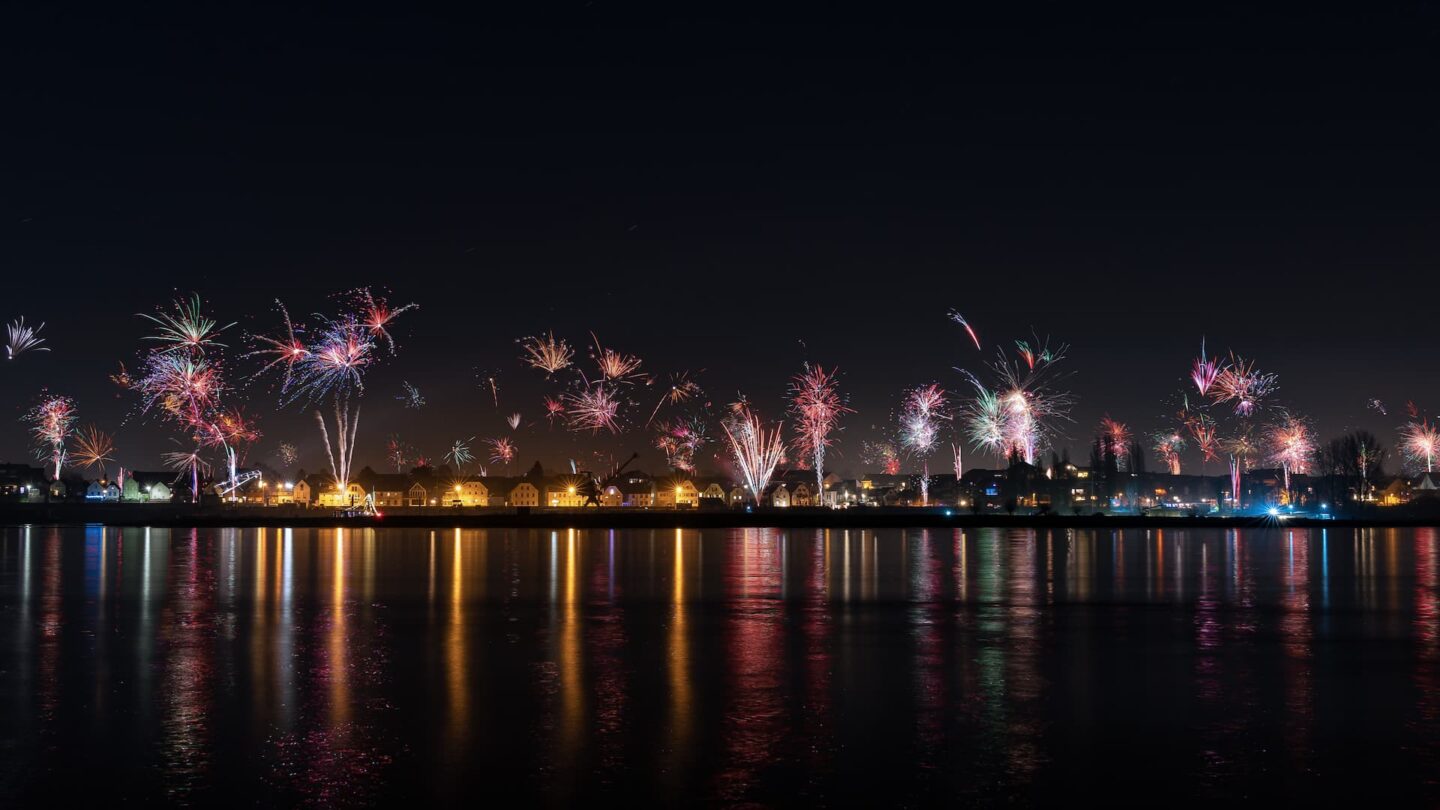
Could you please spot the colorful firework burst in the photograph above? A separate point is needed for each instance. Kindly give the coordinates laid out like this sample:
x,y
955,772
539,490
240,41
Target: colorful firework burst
x,y
682,389
1115,437
186,328
1016,414
554,409
1205,371
920,417
883,453
502,451
594,408
459,454
50,424
287,454
397,452
1241,383
614,366
513,420
375,314
680,440
1420,442
1169,444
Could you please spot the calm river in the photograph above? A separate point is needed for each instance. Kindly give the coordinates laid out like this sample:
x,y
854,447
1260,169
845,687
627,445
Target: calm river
x,y
332,667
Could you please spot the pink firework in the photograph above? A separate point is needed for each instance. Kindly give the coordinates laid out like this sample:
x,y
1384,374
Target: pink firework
x,y
960,319
502,451
1241,383
1420,443
375,313
593,408
186,329
1202,430
397,452
816,404
682,389
1204,371
554,409
1168,447
286,349
1116,438
50,423
1292,445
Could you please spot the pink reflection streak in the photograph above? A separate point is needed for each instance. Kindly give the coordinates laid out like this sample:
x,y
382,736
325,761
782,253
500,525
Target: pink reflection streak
x,y
754,720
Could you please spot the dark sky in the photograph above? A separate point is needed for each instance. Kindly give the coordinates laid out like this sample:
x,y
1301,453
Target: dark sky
x,y
731,192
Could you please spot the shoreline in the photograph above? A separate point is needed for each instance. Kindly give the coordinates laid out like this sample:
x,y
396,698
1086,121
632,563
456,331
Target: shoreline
x,y
186,515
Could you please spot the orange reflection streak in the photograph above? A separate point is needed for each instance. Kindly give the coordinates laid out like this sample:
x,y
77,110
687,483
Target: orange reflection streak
x,y
337,648
456,673
678,659
572,698
260,633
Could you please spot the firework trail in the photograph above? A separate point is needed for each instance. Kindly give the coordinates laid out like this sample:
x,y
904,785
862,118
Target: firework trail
x,y
1241,448
502,451
287,454
614,366
230,431
460,454
1377,406
546,353
50,424
958,450
23,339
593,408
1202,430
513,420
756,451
1169,444
920,418
1241,383
1420,442
488,380
817,406
960,319
682,389
192,463
186,329
1205,371
410,395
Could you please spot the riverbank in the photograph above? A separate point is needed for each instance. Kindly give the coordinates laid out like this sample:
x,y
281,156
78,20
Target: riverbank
x,y
186,515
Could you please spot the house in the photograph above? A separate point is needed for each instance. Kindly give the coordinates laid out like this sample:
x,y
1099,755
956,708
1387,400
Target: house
x,y
739,495
151,487
102,491
524,493
638,494
611,496
778,496
473,491
389,489
21,482
328,495
566,491
800,495
713,490
675,493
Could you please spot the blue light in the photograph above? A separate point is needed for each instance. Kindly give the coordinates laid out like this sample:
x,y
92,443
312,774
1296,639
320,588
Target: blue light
x,y
947,513
1274,512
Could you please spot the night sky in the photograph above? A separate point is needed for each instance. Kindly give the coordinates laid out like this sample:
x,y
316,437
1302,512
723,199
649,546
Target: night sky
x,y
730,193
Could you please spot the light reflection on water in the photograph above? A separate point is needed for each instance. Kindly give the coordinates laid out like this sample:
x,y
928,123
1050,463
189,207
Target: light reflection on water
x,y
749,666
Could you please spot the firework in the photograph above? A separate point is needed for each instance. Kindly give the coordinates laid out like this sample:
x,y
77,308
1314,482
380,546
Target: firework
x,y
488,379
920,418
960,319
513,420
23,339
546,353
410,395
817,406
50,423
614,366
1115,437
286,349
186,329
332,366
593,408
1291,445
1205,371
192,463
1168,446
1377,406
554,409
397,452
287,454
502,451
376,314
460,454
1015,416
1241,383
883,453
681,440
756,451
682,389
230,431
1420,443
1202,430
122,378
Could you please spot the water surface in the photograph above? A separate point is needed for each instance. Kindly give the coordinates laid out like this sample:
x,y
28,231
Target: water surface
x,y
325,667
